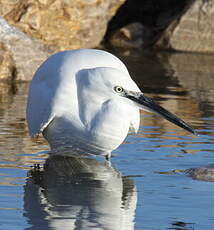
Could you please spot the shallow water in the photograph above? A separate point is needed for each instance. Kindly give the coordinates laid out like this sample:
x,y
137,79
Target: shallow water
x,y
144,186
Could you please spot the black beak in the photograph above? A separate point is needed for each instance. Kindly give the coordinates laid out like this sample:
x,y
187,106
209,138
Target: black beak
x,y
149,104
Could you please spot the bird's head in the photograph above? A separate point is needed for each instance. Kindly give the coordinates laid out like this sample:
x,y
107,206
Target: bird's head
x,y
105,83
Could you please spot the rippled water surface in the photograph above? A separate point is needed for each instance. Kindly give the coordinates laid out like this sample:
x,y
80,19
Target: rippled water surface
x,y
146,185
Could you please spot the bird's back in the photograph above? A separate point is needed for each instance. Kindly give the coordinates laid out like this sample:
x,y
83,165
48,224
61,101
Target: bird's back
x,y
53,88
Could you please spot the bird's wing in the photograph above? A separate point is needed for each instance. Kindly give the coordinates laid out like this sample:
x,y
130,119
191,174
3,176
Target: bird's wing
x,y
39,107
53,84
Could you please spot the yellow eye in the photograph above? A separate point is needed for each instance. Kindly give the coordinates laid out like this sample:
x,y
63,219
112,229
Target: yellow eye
x,y
118,89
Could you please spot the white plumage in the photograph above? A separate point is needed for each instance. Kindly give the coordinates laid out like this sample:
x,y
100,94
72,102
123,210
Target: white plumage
x,y
86,100
71,97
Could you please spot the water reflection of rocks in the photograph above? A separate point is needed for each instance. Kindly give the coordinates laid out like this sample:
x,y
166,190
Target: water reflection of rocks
x,y
195,74
79,193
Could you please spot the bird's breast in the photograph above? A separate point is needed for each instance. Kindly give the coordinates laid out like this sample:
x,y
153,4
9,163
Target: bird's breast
x,y
106,131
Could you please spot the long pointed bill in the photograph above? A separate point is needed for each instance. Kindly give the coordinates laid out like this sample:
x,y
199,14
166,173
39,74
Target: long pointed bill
x,y
148,104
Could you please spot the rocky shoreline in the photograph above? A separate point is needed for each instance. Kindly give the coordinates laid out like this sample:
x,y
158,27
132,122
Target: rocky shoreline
x,y
30,30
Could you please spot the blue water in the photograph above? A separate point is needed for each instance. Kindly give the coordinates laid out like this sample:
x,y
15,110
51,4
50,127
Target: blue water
x,y
143,187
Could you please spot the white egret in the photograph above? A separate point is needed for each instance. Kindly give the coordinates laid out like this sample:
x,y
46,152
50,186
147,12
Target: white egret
x,y
86,100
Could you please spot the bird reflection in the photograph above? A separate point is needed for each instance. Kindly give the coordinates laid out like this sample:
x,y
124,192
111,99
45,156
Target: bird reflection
x,y
73,192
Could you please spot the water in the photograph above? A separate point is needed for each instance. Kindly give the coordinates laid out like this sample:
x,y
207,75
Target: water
x,y
144,186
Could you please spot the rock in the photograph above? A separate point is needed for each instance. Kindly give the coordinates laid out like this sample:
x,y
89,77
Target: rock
x,y
194,31
61,24
154,16
129,36
6,63
205,173
20,55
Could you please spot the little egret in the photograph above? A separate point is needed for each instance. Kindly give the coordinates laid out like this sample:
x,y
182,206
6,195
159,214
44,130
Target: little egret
x,y
86,100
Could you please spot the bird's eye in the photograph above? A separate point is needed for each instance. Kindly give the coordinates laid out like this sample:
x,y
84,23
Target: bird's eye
x,y
118,89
